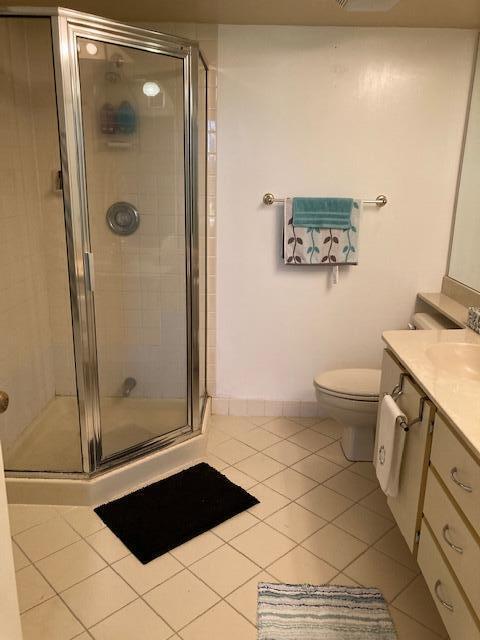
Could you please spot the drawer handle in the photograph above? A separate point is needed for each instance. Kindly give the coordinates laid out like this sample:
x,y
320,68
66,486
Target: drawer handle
x,y
450,544
453,475
448,606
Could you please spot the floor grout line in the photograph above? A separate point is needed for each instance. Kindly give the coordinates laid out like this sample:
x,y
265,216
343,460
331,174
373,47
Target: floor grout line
x,y
187,568
59,593
312,489
56,594
414,620
227,543
58,551
38,524
39,604
355,502
284,439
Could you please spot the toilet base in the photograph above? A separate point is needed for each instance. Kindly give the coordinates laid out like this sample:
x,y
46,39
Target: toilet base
x,y
358,443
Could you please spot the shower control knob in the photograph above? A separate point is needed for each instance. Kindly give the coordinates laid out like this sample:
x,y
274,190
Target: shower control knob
x,y
3,401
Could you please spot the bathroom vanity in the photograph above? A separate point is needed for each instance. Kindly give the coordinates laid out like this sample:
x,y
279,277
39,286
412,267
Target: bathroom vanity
x,y
438,505
438,373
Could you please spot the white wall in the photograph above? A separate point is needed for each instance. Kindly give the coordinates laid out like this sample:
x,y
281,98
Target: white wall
x,y
330,111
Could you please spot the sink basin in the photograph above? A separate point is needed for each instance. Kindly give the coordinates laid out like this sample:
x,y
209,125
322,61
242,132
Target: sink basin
x,y
458,359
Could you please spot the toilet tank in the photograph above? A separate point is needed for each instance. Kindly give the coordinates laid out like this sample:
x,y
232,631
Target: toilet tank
x,y
427,321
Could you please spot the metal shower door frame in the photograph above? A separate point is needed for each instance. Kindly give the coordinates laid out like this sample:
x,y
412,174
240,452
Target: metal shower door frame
x,y
67,27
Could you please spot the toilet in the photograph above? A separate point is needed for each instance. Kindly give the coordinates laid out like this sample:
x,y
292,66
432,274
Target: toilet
x,y
351,396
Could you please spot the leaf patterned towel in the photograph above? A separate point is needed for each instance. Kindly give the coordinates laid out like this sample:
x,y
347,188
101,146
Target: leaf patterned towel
x,y
305,245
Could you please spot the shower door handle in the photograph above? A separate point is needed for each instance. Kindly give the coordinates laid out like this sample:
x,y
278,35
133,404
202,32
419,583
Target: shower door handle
x,y
89,271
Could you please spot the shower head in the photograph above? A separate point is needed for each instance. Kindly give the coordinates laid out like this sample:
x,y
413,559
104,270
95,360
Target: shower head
x,y
367,5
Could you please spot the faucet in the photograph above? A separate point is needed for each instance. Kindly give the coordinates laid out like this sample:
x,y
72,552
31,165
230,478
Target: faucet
x,y
128,385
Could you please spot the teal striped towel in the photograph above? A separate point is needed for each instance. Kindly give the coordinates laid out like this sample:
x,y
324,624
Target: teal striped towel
x,y
322,213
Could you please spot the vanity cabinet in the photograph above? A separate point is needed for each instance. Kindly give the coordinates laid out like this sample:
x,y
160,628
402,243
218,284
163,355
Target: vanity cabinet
x,y
455,538
450,531
438,505
454,610
406,507
458,470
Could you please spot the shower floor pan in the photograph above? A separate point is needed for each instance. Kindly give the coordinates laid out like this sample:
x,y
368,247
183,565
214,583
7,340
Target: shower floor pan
x,y
51,443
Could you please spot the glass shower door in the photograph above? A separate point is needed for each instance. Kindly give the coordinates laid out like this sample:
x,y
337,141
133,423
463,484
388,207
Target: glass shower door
x,y
40,425
133,117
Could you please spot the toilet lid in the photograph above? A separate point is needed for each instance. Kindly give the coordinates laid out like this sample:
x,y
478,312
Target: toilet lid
x,y
351,383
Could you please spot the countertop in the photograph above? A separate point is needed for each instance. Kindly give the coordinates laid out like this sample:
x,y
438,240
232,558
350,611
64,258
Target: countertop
x,y
458,399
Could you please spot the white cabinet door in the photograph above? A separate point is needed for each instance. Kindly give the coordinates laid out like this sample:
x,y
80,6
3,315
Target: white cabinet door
x,y
9,612
407,505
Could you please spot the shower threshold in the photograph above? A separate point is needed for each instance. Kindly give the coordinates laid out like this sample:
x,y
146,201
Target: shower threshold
x,y
51,442
126,423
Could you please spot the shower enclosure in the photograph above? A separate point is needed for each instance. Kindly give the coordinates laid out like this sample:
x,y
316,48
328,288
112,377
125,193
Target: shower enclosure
x,y
102,243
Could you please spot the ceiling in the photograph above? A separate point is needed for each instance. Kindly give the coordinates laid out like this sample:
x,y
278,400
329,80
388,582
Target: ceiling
x,y
408,13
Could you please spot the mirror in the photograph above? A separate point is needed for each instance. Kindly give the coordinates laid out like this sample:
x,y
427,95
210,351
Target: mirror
x,y
464,263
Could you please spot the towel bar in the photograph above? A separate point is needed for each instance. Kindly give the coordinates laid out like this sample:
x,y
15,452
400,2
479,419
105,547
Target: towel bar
x,y
401,422
406,424
420,412
380,201
397,391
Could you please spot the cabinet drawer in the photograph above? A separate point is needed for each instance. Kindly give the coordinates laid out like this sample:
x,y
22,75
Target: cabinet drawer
x,y
454,537
455,613
456,465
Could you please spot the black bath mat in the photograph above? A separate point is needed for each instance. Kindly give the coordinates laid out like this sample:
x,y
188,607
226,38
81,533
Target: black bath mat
x,y
164,515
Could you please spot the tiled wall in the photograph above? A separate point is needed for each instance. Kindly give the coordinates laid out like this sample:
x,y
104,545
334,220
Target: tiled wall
x,y
36,353
210,47
207,36
202,227
242,407
50,203
140,279
140,285
36,362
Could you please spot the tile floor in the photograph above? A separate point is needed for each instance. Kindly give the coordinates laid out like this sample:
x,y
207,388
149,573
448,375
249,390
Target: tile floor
x,y
320,519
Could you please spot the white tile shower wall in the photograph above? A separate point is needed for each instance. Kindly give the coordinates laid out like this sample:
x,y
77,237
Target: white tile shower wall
x,y
140,279
34,356
211,217
330,111
207,36
50,204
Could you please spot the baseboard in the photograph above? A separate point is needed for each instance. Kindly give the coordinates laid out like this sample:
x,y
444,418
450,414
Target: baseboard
x,y
256,407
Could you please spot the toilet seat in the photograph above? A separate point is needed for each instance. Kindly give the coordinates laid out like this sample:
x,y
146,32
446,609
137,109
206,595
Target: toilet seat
x,y
351,384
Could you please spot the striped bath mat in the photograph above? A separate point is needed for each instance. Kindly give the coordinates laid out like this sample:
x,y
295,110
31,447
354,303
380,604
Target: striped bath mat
x,y
307,612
